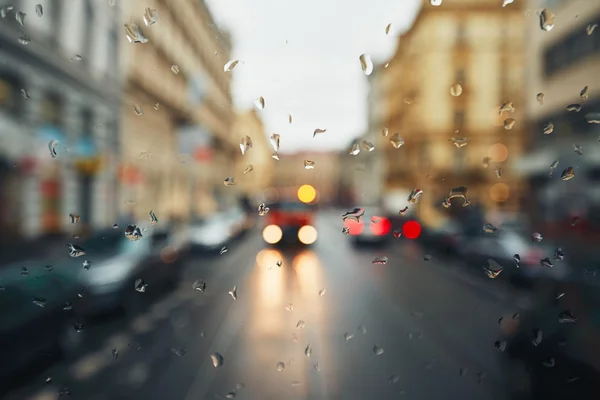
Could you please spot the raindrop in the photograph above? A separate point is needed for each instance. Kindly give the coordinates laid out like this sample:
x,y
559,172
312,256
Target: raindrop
x,y
115,353
573,107
275,156
396,140
385,132
593,118
233,293
408,100
566,317
577,148
380,260
245,144
217,359
24,271
289,307
486,162
87,264
377,350
414,196
388,29
345,230
24,40
584,93
498,171
540,98
459,142
549,363
249,168
138,109
355,214
366,64
489,228
457,192
317,367
397,233
362,329
134,33
509,123
133,233
229,181
590,29
280,366
558,254
279,263
20,17
76,57
230,65
39,10
545,262
553,167
319,131
348,336
263,209
274,139
156,106
435,3
199,285
517,259
223,250
309,164
355,149
322,292
506,2
308,351
548,128
567,174
290,118
403,211
75,250
115,226
500,345
140,285
300,325
175,69
456,89
150,16
25,94
367,145
507,106
39,301
52,147
547,20
536,237
260,103
492,269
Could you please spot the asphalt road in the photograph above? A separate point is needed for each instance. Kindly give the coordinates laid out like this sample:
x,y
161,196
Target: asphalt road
x,y
435,324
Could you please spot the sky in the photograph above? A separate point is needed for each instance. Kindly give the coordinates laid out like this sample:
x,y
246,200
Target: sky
x,y
303,58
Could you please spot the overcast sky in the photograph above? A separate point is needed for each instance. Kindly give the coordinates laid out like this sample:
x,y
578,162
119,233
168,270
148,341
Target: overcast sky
x,y
302,57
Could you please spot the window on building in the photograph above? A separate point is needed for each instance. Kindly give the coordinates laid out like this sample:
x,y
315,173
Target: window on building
x,y
87,122
52,109
10,94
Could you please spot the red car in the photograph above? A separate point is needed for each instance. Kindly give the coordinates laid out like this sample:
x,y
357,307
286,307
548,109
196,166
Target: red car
x,y
290,221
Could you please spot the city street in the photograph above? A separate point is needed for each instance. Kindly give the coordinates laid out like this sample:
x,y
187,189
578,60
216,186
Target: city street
x,y
341,327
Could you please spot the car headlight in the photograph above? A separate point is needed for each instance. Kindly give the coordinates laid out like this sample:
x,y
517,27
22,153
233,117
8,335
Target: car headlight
x,y
307,234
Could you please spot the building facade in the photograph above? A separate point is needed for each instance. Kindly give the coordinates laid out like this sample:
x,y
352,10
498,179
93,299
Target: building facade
x,y
59,80
562,63
450,74
178,144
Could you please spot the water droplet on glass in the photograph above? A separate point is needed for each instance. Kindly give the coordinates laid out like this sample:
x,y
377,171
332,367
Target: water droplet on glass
x,y
140,285
20,17
280,366
456,89
486,162
289,307
459,142
115,353
492,269
76,57
134,33
457,192
175,69
24,40
75,250
138,109
507,106
115,226
573,107
517,259
345,230
367,145
355,149
249,168
408,100
567,174
245,144
388,28
414,196
39,301
590,29
300,324
275,156
296,384
355,214
263,209
577,148
52,146
547,20
548,128
559,255
500,345
489,228
133,233
260,103
39,10
566,317
230,65
377,350
150,16
545,262
319,131
290,118
380,260
536,237
366,64
553,167
593,118
279,263
309,164
308,351
233,293
199,285
385,132
584,93
25,94
498,171
87,264
506,2
435,3
396,140
229,181
274,139
348,336
540,98
509,123
217,359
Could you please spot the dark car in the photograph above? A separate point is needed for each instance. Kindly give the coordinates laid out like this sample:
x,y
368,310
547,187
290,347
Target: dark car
x,y
373,228
444,239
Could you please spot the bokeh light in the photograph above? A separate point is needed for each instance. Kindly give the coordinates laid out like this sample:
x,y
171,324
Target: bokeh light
x,y
499,192
498,152
411,229
307,234
272,234
306,193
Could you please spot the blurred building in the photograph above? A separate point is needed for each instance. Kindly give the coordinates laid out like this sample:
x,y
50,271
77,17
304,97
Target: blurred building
x,y
478,45
257,160
290,172
562,63
59,80
178,145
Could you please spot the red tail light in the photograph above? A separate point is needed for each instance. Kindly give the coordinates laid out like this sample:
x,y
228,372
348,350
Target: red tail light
x,y
355,227
380,226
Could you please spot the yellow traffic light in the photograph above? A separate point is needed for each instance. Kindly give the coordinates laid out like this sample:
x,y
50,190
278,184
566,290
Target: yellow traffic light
x,y
306,193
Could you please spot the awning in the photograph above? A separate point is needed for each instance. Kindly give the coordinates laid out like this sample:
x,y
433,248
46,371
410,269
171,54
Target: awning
x,y
536,162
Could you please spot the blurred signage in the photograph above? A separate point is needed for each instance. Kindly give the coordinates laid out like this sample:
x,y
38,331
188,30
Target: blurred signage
x,y
85,147
88,161
197,89
196,142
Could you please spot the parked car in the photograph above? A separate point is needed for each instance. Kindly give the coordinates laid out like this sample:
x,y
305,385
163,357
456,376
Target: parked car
x,y
445,238
123,272
373,228
210,234
35,322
